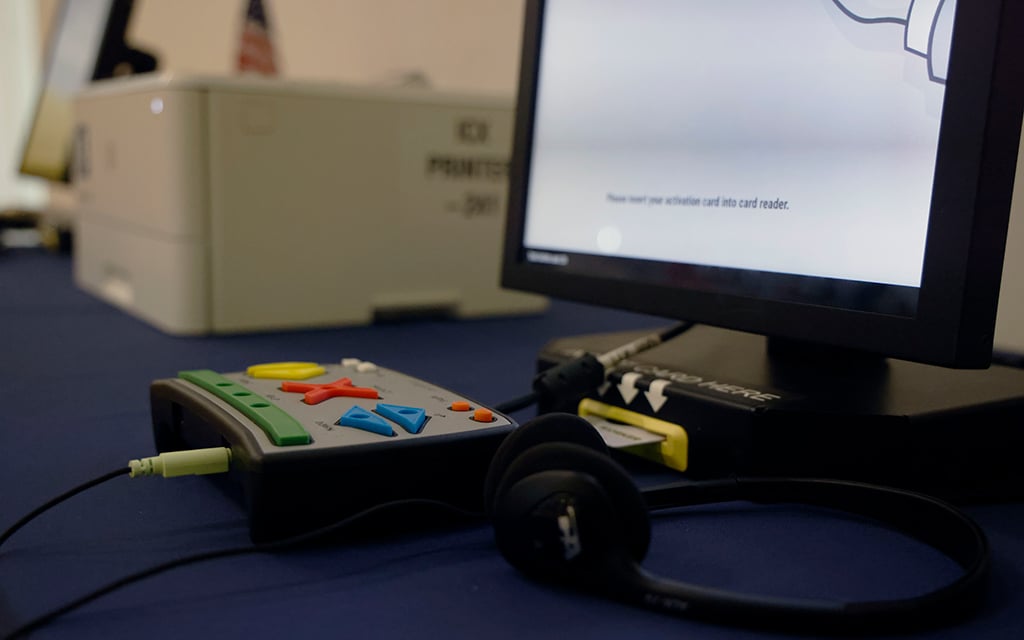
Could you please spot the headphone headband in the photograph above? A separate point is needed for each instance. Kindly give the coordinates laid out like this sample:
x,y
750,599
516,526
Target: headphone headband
x,y
566,511
923,518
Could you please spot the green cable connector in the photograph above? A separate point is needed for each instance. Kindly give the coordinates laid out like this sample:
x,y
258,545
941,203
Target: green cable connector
x,y
195,462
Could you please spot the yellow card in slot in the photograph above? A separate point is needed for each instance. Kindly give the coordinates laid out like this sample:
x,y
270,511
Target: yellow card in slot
x,y
663,442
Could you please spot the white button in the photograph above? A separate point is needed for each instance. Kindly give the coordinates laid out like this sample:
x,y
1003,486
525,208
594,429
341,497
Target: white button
x,y
366,367
350,362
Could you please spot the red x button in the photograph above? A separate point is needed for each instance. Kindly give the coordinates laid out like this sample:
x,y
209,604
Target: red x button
x,y
317,393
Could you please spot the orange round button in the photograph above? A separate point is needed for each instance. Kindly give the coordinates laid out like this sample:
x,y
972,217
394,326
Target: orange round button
x,y
483,415
461,405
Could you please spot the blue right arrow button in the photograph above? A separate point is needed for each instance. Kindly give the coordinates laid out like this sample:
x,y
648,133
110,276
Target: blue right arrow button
x,y
411,419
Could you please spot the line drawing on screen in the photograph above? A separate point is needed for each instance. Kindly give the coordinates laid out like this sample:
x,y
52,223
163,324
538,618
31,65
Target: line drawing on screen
x,y
928,26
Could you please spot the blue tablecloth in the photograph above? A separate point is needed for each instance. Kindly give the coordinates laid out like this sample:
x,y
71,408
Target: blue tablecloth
x,y
74,403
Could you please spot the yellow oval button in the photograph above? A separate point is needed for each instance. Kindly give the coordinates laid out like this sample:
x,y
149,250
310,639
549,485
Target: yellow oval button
x,y
286,370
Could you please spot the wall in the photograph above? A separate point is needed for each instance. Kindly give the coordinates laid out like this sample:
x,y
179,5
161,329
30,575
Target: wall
x,y
460,44
470,45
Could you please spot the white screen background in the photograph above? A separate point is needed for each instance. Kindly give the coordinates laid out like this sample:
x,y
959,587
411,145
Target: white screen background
x,y
788,100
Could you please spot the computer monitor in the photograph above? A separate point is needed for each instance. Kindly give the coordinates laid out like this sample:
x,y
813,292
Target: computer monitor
x,y
835,173
86,43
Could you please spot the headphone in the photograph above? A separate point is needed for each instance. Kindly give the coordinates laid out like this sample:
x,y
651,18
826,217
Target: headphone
x,y
565,512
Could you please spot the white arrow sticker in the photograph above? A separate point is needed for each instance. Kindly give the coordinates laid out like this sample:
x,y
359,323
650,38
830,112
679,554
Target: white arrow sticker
x,y
656,394
628,386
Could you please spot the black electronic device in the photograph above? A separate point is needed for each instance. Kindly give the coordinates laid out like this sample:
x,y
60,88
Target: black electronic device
x,y
812,173
565,512
312,444
714,403
86,43
830,179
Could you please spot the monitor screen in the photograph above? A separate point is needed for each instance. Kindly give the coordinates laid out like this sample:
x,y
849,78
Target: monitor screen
x,y
794,168
86,43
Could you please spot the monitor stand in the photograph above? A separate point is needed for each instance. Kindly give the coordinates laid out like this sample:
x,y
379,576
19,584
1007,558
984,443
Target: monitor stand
x,y
784,410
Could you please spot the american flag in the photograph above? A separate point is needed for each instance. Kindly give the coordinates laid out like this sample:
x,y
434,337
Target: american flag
x,y
256,52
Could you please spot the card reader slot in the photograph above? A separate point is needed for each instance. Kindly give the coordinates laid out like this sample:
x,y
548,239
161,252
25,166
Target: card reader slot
x,y
670,447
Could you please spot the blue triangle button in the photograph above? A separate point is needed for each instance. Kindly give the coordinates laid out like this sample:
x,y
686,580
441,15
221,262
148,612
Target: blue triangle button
x,y
411,419
362,419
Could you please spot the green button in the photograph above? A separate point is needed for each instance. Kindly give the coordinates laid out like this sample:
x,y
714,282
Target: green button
x,y
280,427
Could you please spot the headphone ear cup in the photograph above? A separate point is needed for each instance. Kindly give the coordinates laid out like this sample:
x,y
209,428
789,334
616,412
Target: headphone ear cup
x,y
548,428
562,509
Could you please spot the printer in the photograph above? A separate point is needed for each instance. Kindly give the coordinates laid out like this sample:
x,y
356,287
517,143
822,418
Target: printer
x,y
225,205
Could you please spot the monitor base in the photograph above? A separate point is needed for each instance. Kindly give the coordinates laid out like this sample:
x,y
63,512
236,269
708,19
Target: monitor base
x,y
750,411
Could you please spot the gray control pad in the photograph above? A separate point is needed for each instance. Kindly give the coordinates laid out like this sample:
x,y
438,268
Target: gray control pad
x,y
321,419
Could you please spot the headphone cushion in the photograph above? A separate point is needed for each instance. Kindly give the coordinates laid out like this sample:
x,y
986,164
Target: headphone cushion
x,y
548,428
626,503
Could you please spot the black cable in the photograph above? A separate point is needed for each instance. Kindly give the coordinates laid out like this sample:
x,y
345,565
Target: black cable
x,y
516,404
1008,358
49,504
675,330
280,545
580,375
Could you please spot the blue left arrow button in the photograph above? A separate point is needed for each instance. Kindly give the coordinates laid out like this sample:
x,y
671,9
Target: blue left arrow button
x,y
362,419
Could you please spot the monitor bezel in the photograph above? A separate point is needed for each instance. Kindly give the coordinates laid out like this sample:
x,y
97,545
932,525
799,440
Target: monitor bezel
x,y
956,306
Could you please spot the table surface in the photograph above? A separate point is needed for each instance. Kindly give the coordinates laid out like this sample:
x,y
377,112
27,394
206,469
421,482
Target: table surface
x,y
74,404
